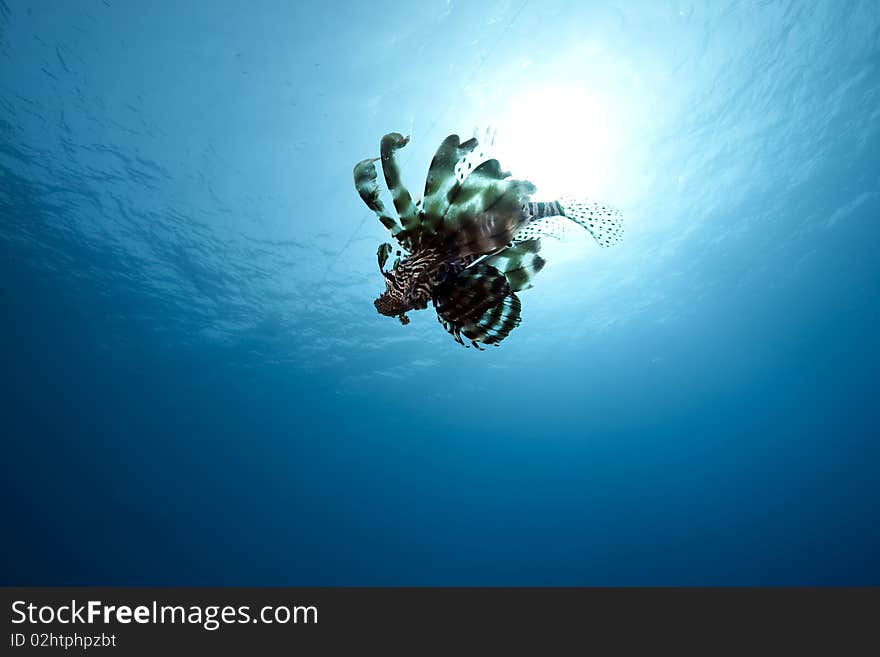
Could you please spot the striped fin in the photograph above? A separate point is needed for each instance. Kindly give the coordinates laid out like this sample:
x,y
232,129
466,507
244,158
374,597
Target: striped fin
x,y
604,223
470,205
441,180
470,213
470,293
382,254
486,210
519,263
491,327
403,203
478,305
545,220
365,181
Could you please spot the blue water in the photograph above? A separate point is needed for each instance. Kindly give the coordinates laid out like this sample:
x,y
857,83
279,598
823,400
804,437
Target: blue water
x,y
198,390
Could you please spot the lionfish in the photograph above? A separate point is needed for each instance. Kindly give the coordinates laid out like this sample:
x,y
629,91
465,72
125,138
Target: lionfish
x,y
472,242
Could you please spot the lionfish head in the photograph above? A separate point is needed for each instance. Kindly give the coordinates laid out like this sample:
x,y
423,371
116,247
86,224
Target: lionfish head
x,y
392,302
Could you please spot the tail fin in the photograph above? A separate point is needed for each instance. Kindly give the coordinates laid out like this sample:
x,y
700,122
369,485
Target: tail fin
x,y
604,223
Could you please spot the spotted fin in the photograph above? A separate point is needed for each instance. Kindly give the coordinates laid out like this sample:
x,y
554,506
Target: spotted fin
x,y
478,305
519,263
555,220
604,223
469,163
556,227
481,152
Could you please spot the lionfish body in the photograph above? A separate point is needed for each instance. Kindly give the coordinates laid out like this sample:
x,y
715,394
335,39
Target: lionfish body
x,y
472,242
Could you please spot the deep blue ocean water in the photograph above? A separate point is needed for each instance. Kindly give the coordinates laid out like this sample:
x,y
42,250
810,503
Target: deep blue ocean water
x,y
198,390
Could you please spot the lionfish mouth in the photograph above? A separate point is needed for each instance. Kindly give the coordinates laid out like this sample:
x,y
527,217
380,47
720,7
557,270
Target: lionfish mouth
x,y
391,308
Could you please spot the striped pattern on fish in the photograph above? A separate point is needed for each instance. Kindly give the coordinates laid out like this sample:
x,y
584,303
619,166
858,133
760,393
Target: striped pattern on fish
x,y
472,243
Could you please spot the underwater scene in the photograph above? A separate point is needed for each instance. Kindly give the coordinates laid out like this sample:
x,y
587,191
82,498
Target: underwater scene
x,y
443,293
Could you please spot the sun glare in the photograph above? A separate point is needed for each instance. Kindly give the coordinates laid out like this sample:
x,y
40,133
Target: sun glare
x,y
560,138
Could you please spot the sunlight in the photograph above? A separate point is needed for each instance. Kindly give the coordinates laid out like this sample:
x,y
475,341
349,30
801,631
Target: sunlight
x,y
561,138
